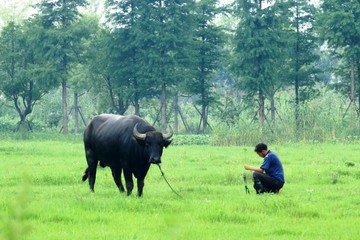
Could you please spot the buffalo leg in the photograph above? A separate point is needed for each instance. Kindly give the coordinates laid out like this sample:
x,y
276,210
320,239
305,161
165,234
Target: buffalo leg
x,y
140,186
92,166
129,181
116,172
92,177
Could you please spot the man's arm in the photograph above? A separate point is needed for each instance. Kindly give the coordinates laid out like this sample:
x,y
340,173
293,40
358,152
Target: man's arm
x,y
252,168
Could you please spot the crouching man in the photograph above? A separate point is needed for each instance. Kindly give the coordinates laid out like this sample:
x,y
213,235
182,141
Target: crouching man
x,y
269,177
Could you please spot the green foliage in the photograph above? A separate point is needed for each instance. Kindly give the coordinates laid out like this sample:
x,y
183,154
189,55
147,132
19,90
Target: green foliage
x,y
147,49
259,46
338,24
61,41
207,54
7,123
338,27
275,48
15,225
214,204
323,120
180,139
303,55
22,69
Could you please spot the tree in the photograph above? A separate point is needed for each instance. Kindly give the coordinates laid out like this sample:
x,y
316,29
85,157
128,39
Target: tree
x,y
339,27
303,55
104,69
23,71
86,28
259,51
127,58
151,37
165,30
207,47
61,41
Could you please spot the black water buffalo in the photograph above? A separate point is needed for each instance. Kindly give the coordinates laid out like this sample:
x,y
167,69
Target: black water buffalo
x,y
123,143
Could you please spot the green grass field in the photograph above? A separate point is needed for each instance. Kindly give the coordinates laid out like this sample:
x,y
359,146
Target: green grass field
x,y
42,195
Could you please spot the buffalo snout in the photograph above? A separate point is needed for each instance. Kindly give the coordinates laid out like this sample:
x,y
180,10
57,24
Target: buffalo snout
x,y
155,160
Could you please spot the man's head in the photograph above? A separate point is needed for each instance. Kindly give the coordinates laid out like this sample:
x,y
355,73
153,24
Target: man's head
x,y
261,149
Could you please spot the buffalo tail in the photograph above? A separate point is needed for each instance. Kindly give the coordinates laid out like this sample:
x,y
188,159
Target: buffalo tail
x,y
86,174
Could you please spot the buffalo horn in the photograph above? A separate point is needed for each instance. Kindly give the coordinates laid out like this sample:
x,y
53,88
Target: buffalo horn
x,y
167,135
137,135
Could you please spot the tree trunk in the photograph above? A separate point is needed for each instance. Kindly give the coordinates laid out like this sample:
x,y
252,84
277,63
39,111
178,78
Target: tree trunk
x,y
76,113
353,95
136,98
176,113
22,126
352,105
65,109
353,86
297,103
272,110
163,107
203,113
204,117
136,104
358,88
297,70
261,111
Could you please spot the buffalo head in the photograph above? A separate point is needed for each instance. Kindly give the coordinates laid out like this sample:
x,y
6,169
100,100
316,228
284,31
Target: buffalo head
x,y
154,143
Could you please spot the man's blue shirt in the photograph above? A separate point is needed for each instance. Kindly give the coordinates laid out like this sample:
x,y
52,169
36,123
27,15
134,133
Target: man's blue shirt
x,y
273,167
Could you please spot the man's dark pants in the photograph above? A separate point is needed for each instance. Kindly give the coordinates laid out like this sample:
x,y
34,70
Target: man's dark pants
x,y
265,183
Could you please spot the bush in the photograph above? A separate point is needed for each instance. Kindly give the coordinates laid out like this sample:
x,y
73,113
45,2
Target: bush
x,y
182,139
322,120
8,123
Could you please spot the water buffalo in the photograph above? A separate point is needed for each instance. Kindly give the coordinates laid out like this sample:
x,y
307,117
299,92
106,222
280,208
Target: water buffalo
x,y
123,143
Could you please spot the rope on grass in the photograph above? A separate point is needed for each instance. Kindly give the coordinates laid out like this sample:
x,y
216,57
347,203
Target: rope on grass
x,y
163,175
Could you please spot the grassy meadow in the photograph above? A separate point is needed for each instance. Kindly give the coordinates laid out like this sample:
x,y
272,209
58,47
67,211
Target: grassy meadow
x,y
42,195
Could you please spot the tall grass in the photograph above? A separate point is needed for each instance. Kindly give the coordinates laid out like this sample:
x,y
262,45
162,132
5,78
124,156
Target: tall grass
x,y
319,200
324,119
15,224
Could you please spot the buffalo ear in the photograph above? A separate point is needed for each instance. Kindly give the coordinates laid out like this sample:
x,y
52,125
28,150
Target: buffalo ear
x,y
167,142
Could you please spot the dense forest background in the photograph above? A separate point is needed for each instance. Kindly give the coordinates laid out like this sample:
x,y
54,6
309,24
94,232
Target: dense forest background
x,y
237,71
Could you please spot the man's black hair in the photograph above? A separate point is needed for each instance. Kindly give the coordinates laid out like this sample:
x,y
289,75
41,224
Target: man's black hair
x,y
261,146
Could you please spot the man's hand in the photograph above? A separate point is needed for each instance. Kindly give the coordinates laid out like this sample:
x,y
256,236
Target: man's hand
x,y
247,167
252,168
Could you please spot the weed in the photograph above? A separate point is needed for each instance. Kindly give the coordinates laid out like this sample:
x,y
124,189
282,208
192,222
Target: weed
x,y
15,224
